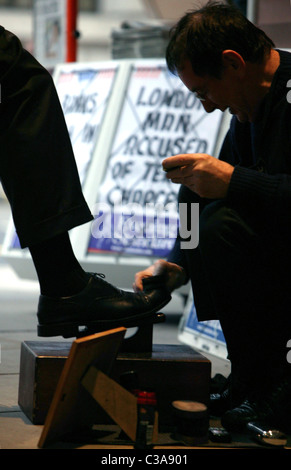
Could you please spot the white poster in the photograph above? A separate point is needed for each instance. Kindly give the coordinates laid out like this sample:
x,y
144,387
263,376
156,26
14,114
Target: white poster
x,y
84,93
136,210
50,33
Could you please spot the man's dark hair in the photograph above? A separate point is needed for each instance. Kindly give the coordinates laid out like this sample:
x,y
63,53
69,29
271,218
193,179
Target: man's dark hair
x,y
202,35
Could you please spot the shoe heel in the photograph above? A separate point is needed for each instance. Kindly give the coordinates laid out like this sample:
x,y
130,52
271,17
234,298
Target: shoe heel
x,y
66,331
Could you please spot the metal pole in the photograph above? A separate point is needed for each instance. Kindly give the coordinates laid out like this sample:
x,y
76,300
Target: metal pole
x,y
252,6
72,7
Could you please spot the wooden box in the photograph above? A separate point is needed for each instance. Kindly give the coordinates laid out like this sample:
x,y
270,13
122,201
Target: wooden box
x,y
174,372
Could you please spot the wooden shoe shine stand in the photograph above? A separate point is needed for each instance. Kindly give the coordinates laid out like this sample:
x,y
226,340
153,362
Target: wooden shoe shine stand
x,y
70,386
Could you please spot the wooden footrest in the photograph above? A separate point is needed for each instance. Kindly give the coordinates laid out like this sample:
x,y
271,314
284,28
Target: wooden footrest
x,y
174,372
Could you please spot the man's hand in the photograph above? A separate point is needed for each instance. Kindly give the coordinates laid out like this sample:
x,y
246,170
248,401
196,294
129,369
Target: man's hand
x,y
175,275
203,174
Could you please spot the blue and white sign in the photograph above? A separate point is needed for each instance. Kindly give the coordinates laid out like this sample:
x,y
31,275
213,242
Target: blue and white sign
x,y
203,335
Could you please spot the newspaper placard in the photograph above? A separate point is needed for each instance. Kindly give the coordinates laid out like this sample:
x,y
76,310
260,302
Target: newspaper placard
x,y
84,93
159,118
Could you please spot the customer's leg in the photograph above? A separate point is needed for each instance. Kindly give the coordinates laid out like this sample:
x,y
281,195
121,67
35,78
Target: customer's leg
x,y
39,175
37,165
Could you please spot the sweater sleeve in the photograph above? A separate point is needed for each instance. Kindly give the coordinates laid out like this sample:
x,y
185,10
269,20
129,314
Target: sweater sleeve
x,y
269,194
252,185
267,188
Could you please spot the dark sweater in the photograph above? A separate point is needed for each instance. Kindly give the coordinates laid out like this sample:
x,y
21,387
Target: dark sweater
x,y
261,152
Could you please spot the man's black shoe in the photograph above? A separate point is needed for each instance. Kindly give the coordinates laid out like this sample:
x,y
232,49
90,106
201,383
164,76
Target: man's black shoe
x,y
272,408
100,306
231,395
236,420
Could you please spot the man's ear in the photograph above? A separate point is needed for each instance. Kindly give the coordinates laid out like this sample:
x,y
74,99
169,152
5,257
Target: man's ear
x,y
232,60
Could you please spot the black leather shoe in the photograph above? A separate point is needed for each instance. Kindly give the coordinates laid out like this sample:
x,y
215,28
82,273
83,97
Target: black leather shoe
x,y
100,306
272,408
232,395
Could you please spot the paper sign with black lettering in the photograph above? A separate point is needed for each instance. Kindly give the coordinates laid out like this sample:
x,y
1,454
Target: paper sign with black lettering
x,y
159,118
84,94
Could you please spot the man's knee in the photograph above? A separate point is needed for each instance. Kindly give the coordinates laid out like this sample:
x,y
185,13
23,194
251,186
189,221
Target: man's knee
x,y
216,224
187,196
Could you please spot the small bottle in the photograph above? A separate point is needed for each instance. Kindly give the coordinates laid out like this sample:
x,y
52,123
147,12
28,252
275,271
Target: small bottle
x,y
146,433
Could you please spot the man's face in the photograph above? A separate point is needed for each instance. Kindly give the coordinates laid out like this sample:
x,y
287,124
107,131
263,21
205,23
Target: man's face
x,y
218,93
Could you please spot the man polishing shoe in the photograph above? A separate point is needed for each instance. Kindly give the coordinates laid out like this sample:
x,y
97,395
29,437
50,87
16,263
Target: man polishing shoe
x,y
100,306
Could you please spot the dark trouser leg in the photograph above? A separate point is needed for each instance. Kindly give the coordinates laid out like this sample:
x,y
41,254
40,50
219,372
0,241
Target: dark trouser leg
x,y
38,169
246,279
59,272
37,165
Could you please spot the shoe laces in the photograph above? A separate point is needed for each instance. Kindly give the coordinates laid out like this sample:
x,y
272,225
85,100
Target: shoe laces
x,y
100,275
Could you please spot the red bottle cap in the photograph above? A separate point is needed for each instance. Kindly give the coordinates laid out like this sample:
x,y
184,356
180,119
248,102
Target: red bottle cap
x,y
146,398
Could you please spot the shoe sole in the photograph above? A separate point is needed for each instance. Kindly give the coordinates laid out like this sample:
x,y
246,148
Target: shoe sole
x,y
77,329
